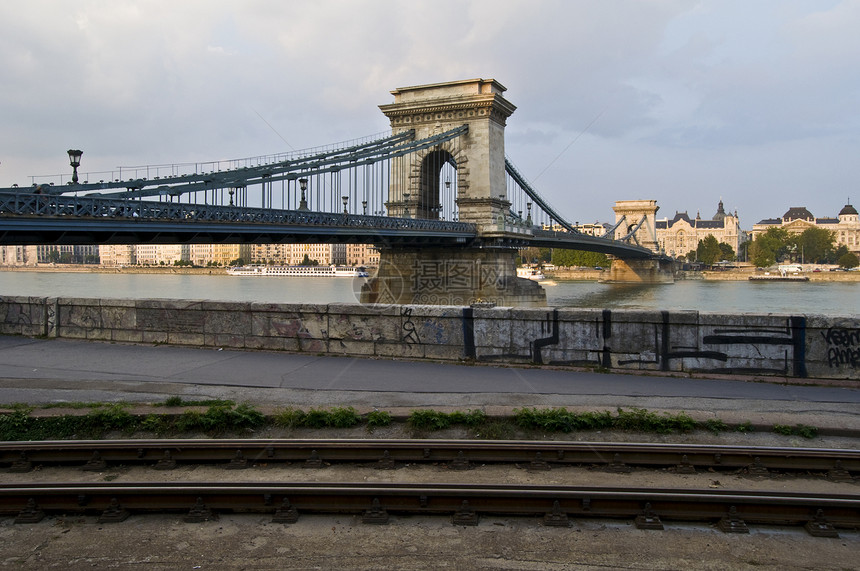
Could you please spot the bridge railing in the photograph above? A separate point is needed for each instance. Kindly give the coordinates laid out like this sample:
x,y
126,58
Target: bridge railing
x,y
94,207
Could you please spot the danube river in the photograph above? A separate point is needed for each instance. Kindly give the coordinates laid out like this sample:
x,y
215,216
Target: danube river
x,y
827,298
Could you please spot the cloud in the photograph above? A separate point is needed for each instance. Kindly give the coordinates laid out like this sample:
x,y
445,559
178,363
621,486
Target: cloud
x,y
676,100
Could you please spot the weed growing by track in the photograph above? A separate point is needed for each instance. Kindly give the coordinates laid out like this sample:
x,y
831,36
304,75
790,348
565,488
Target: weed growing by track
x,y
220,417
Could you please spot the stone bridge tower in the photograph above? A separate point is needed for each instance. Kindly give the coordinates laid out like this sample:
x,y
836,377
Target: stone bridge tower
x,y
451,276
633,212
639,217
478,156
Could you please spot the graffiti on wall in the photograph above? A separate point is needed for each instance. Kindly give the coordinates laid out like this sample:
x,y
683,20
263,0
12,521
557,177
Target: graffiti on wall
x,y
843,347
409,332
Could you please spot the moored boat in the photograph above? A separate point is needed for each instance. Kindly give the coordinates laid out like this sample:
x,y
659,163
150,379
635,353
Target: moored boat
x,y
530,273
299,271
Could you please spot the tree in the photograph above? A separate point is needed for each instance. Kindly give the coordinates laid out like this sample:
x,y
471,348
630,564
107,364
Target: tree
x,y
568,258
237,262
769,246
727,253
708,251
306,261
814,244
848,261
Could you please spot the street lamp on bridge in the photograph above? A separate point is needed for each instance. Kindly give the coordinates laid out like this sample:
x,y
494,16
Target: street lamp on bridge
x,y
303,203
75,162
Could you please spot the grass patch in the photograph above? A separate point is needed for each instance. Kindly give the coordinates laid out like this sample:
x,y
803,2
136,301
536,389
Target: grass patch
x,y
377,418
801,430
745,427
715,425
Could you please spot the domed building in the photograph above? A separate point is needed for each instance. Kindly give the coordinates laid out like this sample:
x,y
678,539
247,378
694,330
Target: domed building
x,y
845,227
676,237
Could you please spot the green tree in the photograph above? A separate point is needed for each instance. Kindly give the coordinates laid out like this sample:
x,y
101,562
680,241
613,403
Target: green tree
x,y
848,261
837,253
237,262
814,245
769,246
708,251
568,258
727,253
306,261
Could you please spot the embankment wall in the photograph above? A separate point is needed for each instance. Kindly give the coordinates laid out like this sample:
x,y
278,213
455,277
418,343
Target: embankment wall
x,y
800,346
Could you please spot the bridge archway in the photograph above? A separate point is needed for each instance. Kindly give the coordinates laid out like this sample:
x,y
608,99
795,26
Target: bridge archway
x,y
437,185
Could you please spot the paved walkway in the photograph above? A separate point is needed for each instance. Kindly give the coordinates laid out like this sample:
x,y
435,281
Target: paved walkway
x,y
56,370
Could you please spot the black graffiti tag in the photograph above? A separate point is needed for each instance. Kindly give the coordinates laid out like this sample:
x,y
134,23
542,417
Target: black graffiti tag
x,y
843,347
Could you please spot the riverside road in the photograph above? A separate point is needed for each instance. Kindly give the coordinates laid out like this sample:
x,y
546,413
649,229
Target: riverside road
x,y
39,371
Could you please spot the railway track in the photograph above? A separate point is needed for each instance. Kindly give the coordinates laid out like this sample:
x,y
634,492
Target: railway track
x,y
838,464
553,505
732,511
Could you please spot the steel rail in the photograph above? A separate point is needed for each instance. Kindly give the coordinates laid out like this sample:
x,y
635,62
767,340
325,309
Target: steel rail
x,y
837,463
465,502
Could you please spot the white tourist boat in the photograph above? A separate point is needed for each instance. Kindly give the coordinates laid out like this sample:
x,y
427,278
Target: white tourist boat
x,y
530,273
299,271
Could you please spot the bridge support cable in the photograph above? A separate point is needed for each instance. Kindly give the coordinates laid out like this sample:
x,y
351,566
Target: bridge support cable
x,y
632,232
537,199
611,230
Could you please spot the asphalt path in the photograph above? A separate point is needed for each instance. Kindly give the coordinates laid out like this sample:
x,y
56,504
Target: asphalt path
x,y
51,370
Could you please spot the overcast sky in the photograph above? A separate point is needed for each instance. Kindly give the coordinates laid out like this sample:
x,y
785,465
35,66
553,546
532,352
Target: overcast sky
x,y
756,102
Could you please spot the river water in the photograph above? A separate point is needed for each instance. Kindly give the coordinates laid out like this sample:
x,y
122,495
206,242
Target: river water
x,y
826,298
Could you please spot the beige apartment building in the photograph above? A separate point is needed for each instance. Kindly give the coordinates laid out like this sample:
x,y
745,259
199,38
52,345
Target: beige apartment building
x,y
845,227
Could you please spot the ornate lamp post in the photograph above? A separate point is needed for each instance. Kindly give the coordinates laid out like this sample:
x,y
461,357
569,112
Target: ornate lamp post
x,y
75,162
364,206
345,200
303,203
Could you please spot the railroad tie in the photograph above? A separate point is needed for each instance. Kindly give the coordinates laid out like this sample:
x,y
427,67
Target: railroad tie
x,y
386,462
539,464
199,513
732,523
838,473
286,513
556,518
21,464
114,513
166,462
376,514
239,462
818,526
465,515
31,513
95,464
648,519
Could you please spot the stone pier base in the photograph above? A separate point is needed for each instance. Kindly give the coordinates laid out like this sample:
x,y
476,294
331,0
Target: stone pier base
x,y
640,271
451,276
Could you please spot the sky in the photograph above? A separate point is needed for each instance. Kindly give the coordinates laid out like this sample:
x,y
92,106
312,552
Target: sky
x,y
755,102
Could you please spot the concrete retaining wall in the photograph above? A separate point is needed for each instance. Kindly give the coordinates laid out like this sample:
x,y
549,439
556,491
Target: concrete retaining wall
x,y
803,346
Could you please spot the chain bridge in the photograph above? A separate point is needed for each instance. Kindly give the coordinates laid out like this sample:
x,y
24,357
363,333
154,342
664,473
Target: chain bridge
x,y
437,195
